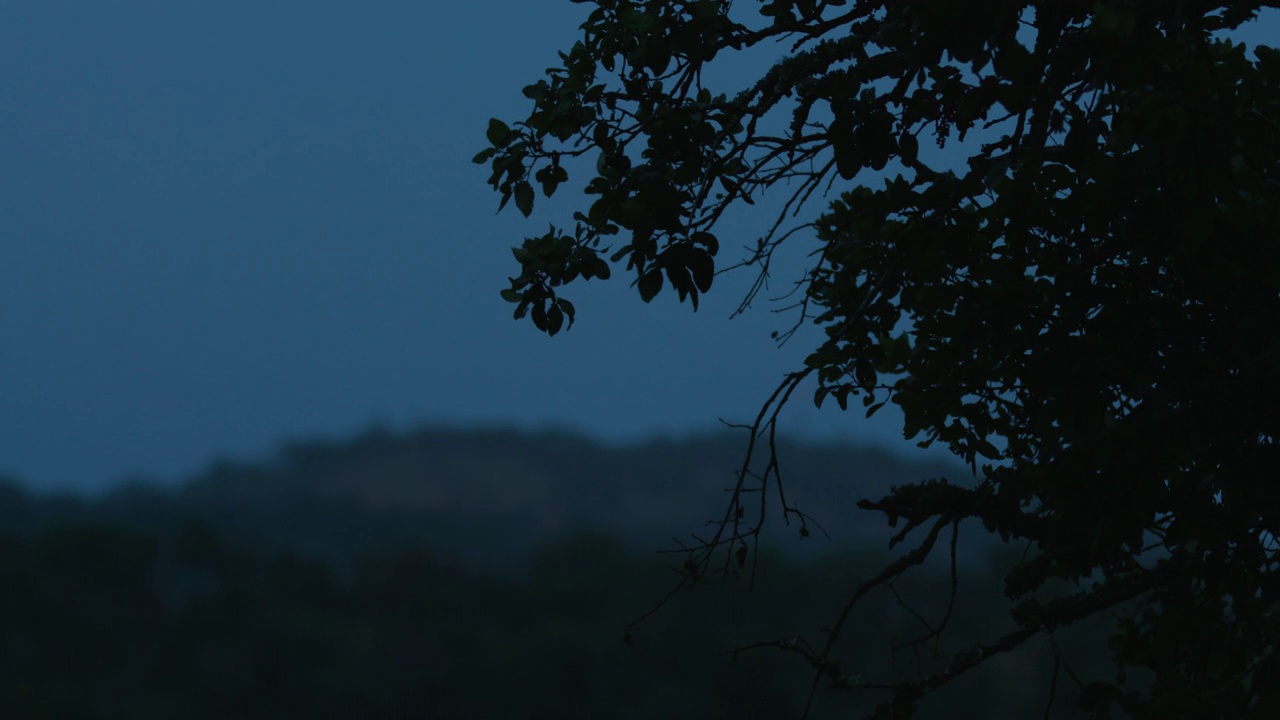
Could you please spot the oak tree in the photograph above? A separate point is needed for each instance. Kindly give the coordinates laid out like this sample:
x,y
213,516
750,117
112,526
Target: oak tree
x,y
1047,230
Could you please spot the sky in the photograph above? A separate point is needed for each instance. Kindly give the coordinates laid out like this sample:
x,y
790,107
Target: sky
x,y
228,224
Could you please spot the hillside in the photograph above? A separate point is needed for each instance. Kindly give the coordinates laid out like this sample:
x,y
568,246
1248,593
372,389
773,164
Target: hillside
x,y
478,486
482,495
393,575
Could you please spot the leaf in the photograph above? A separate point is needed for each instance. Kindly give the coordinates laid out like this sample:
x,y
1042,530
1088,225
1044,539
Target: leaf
x,y
1012,62
536,91
848,155
706,240
820,394
524,197
703,269
637,20
555,319
865,372
679,278
498,133
986,449
908,147
569,310
601,268
539,316
550,177
842,397
598,214
650,283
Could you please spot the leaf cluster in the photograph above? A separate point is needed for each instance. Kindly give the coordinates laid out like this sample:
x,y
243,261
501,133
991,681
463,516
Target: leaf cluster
x,y
1082,308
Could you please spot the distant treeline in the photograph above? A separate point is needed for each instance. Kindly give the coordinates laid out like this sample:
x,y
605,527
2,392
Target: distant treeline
x,y
356,580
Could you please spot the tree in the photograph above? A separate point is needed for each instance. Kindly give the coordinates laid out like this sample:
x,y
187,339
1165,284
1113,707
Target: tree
x,y
1083,310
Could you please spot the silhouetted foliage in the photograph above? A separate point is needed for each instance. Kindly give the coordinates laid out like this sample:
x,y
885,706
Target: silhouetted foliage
x,y
1079,301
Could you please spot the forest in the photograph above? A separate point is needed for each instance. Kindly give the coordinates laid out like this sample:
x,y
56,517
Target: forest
x,y
480,574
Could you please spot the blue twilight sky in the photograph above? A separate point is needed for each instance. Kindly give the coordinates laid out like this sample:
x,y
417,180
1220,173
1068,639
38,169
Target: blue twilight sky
x,y
225,224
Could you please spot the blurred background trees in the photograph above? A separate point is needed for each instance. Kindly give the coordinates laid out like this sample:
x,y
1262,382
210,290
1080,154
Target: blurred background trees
x,y
271,589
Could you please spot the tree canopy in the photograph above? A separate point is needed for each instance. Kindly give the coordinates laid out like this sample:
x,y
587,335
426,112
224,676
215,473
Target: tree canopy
x,y
1048,231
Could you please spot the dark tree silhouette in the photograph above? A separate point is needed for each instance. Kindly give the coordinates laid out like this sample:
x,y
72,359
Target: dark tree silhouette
x,y
1078,298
